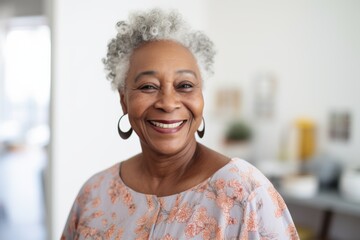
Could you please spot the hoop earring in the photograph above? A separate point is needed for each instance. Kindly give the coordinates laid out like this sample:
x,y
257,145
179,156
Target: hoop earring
x,y
201,132
123,135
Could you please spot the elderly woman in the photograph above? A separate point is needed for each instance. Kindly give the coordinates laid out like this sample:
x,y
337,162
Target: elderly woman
x,y
175,188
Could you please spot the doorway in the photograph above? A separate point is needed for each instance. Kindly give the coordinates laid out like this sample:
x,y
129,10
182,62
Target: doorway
x,y
24,126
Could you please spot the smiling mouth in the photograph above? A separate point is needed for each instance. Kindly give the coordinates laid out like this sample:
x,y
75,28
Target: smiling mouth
x,y
167,125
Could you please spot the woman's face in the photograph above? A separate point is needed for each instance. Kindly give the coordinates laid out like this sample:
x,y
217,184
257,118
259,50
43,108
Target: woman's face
x,y
163,96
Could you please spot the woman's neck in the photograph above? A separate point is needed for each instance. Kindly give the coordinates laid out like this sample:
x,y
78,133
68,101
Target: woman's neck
x,y
160,166
162,175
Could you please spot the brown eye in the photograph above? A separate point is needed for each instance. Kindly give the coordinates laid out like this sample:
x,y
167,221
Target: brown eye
x,y
185,86
148,88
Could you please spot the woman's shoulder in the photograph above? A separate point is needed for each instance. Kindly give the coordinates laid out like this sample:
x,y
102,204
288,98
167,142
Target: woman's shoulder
x,y
101,178
241,172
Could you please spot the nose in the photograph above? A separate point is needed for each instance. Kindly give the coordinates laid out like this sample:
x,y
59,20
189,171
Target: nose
x,y
167,101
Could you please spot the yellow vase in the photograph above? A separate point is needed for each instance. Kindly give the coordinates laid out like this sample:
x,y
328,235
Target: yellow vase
x,y
306,138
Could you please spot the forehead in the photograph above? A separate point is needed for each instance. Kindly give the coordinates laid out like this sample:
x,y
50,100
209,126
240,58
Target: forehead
x,y
162,55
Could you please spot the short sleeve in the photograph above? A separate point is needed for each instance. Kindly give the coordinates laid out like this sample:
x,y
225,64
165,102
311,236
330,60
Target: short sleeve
x,y
266,216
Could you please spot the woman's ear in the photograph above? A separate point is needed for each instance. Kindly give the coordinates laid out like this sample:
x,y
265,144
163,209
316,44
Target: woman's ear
x,y
123,101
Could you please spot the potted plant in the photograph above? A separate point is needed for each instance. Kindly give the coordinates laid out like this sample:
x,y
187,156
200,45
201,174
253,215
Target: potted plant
x,y
238,131
237,140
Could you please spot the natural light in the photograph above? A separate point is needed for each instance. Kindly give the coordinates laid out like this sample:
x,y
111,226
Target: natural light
x,y
27,68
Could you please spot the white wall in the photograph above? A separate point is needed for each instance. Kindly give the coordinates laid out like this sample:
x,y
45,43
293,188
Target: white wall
x,y
85,110
313,47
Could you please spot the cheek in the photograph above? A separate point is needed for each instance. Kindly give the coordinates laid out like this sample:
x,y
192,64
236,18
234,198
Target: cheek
x,y
200,107
137,105
136,108
196,105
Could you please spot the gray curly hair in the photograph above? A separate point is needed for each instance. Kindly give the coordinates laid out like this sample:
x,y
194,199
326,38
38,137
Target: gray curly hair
x,y
153,25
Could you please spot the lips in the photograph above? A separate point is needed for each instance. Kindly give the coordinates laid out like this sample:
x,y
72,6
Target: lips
x,y
167,126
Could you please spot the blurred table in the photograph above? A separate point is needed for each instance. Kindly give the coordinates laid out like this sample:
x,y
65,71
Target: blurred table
x,y
328,201
333,216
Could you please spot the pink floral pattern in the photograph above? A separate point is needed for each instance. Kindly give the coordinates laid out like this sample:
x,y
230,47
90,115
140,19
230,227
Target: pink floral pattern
x,y
237,202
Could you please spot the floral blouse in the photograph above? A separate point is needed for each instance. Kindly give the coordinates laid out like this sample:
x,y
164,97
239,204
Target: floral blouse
x,y
236,202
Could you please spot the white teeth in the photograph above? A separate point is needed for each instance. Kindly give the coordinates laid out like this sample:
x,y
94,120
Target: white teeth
x,y
163,125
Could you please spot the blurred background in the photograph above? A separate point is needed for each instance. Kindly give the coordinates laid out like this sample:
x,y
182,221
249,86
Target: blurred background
x,y
285,97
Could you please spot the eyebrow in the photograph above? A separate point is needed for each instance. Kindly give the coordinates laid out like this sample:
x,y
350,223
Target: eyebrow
x,y
145,73
187,71
152,73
